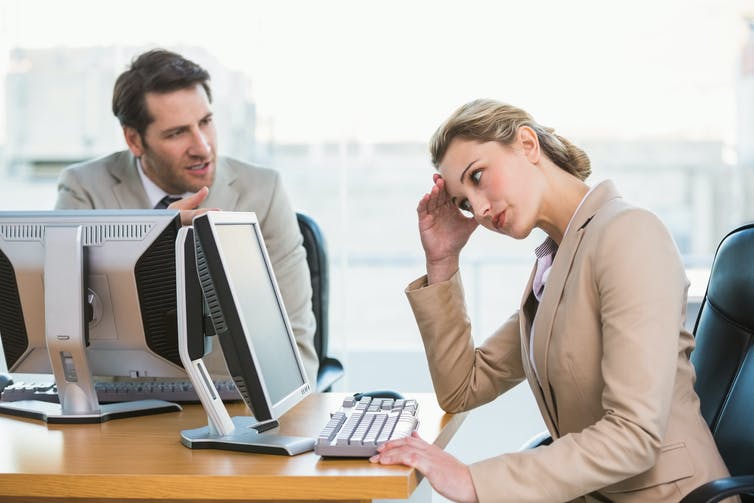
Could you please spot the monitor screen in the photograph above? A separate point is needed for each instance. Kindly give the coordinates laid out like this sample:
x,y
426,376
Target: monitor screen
x,y
129,288
248,313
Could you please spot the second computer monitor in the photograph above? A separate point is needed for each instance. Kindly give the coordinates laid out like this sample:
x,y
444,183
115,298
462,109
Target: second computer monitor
x,y
248,313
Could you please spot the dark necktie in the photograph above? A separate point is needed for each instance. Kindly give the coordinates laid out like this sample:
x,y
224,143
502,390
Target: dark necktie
x,y
166,201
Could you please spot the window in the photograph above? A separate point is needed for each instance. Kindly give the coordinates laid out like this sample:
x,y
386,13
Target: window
x,y
341,97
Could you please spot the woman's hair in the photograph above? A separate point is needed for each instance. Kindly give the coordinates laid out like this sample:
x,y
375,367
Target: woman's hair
x,y
488,120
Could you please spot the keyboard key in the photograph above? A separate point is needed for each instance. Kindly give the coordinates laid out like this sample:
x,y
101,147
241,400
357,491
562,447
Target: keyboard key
x,y
332,427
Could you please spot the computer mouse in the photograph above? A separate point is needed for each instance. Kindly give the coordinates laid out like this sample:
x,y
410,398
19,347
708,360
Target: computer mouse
x,y
379,393
4,381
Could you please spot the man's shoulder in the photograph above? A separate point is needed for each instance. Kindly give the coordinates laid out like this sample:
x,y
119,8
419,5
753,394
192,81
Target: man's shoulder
x,y
247,175
246,169
121,158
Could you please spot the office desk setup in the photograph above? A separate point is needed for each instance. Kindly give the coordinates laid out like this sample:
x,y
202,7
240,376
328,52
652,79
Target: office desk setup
x,y
142,459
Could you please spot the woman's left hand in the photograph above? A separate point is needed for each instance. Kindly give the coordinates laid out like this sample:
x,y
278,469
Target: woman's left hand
x,y
447,475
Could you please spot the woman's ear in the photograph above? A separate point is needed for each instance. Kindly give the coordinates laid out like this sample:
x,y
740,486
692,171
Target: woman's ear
x,y
529,143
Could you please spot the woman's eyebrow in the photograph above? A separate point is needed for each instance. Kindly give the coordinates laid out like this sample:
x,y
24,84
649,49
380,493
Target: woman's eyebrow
x,y
467,168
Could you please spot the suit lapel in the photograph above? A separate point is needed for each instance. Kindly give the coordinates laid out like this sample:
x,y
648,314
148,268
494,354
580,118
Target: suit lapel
x,y
128,190
556,282
222,194
526,317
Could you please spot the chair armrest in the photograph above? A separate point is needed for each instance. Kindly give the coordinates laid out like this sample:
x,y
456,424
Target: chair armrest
x,y
719,489
538,440
330,370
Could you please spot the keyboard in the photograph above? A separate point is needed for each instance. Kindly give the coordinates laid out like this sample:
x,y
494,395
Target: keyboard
x,y
357,428
121,391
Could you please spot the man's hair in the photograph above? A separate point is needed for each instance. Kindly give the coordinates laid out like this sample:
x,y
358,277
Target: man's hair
x,y
155,71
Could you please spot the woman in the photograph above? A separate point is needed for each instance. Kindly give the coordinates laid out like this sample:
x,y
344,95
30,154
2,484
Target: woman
x,y
599,334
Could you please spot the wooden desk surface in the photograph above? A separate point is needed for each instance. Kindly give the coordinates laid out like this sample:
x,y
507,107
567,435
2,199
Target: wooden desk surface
x,y
141,459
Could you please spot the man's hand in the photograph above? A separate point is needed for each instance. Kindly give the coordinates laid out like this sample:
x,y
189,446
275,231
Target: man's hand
x,y
189,206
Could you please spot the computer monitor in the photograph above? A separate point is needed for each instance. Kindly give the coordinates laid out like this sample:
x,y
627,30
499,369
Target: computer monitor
x,y
88,293
254,332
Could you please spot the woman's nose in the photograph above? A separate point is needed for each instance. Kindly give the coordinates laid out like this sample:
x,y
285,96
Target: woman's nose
x,y
481,207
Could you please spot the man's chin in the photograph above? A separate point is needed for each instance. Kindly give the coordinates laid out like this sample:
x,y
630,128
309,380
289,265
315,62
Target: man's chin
x,y
197,183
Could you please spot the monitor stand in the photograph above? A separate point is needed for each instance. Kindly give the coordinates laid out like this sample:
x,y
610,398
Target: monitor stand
x,y
238,433
66,338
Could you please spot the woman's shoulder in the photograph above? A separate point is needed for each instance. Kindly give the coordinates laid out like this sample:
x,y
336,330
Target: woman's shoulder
x,y
621,215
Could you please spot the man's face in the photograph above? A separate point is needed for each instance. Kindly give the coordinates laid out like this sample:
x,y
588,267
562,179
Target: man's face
x,y
178,149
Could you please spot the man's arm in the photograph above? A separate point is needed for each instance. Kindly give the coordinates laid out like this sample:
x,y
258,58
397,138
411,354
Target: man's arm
x,y
71,195
284,243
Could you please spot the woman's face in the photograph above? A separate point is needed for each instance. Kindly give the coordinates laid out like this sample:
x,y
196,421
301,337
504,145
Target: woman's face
x,y
500,185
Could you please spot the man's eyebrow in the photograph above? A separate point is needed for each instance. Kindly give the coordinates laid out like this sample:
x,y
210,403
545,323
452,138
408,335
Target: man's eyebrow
x,y
467,168
175,129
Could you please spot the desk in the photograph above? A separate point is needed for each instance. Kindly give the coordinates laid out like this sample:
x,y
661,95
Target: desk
x,y
142,459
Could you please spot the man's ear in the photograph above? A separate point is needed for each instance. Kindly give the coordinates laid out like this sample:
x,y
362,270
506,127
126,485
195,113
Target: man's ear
x,y
529,143
133,140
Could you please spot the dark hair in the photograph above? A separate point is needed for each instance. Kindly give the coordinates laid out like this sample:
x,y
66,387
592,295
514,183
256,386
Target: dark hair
x,y
489,120
157,71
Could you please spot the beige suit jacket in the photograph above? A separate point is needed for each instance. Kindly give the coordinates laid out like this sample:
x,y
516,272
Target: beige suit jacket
x,y
614,386
112,182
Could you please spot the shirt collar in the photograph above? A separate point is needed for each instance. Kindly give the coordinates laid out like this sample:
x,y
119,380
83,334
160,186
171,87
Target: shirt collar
x,y
549,247
154,192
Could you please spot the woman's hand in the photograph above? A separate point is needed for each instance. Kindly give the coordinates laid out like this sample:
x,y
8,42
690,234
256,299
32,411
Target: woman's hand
x,y
189,206
448,476
444,231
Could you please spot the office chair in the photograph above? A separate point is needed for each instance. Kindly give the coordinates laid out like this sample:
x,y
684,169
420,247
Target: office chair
x,y
330,369
724,363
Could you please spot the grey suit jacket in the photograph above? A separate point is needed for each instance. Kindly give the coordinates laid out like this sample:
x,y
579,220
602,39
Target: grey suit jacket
x,y
614,382
112,182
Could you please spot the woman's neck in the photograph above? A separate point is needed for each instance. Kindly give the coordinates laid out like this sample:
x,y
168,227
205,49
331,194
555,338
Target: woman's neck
x,y
563,194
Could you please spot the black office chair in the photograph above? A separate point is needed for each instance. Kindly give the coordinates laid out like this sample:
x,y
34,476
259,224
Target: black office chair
x,y
330,369
724,362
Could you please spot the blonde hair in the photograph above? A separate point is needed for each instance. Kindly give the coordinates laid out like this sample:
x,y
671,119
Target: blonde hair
x,y
489,120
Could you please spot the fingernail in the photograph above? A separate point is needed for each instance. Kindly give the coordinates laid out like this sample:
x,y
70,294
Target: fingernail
x,y
374,459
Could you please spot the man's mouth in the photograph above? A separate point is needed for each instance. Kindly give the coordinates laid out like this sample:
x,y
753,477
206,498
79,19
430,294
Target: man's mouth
x,y
198,167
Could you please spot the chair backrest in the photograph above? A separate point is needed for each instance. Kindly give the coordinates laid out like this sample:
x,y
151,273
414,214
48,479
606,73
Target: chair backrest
x,y
330,369
724,354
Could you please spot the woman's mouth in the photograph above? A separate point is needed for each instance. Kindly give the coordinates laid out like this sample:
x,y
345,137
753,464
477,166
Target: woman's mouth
x,y
499,220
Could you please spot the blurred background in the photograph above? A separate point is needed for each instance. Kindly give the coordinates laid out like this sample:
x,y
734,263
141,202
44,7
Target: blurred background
x,y
341,97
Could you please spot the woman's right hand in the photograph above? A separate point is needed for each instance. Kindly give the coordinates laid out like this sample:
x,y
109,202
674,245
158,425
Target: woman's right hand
x,y
444,231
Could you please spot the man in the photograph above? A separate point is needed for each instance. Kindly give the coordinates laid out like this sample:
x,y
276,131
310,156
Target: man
x,y
163,104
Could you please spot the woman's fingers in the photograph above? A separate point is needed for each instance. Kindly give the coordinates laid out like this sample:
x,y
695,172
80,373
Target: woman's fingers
x,y
449,476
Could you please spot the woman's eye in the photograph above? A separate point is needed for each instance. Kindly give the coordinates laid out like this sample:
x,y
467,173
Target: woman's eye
x,y
466,208
476,176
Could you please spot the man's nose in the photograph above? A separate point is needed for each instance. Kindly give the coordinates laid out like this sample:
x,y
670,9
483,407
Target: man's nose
x,y
200,145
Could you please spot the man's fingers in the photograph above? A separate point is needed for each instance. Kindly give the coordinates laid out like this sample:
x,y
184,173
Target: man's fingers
x,y
187,216
192,201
